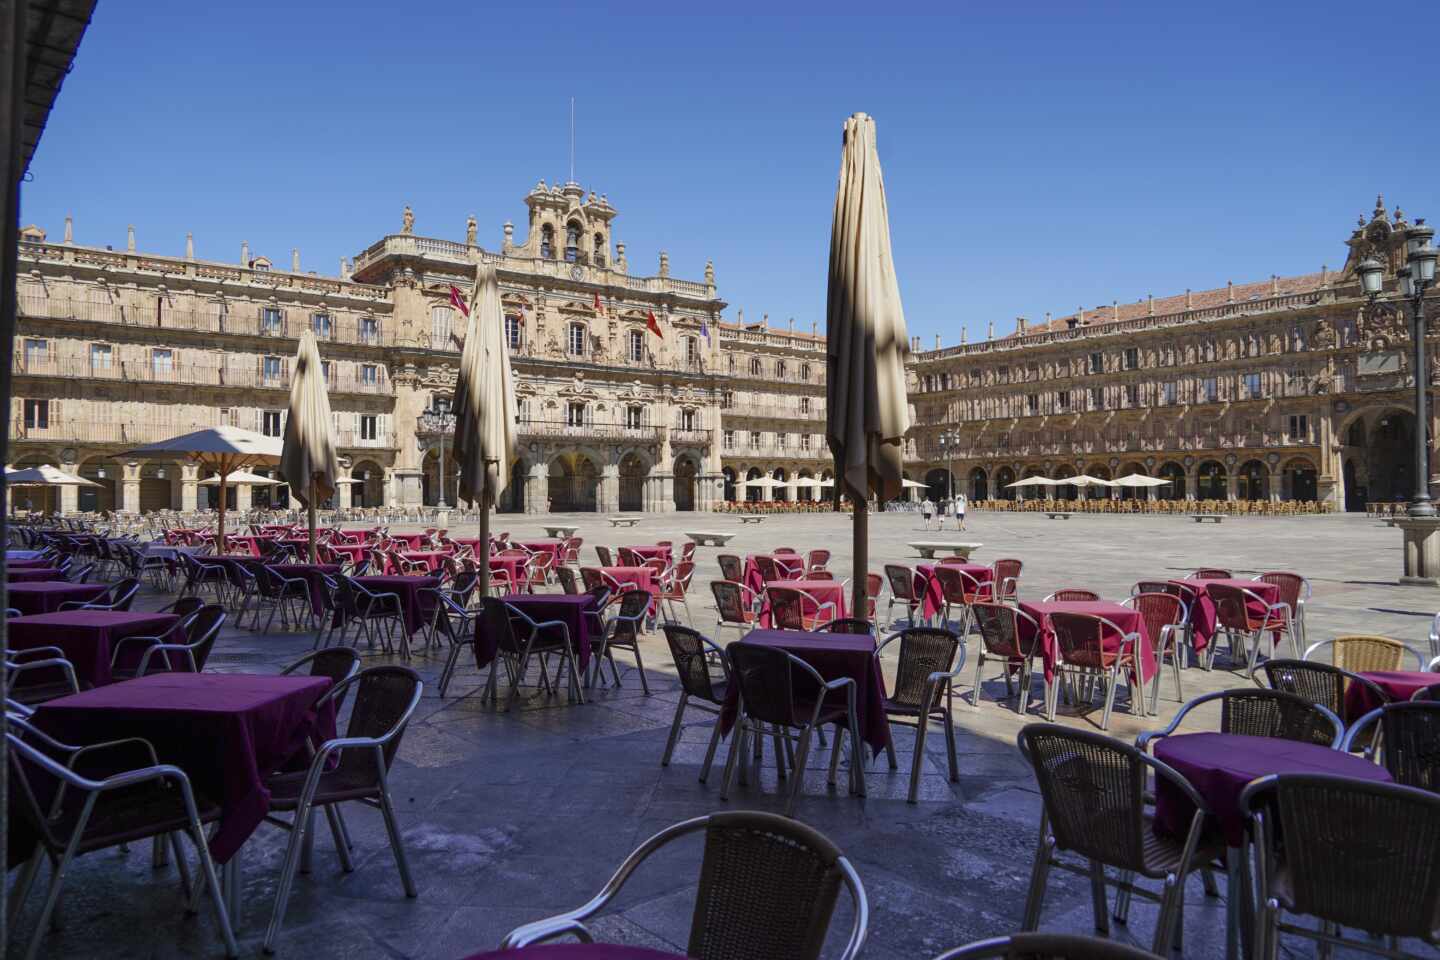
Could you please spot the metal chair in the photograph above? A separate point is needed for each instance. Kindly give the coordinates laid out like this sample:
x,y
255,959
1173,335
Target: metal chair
x,y
183,606
1294,590
768,699
960,588
1005,584
542,637
1002,637
1349,853
77,800
674,587
603,555
1211,573
733,569
136,655
568,583
1261,713
199,576
1405,738
1365,654
1094,792
816,560
1315,682
457,625
788,605
116,597
924,692
734,605
337,663
1081,653
367,610
37,674
902,591
1235,613
693,654
767,887
622,631
1072,596
852,625
1165,616
283,594
1046,946
354,767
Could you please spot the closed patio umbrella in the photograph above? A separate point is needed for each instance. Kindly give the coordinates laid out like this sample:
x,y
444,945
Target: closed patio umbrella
x,y
308,462
484,409
866,409
223,449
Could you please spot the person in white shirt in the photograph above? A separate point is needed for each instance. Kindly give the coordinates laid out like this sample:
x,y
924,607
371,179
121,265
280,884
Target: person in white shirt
x,y
926,509
960,511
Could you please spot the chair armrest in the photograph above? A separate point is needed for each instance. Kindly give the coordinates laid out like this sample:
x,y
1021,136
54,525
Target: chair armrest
x,y
148,750
133,638
1353,734
12,669
1142,742
166,648
50,653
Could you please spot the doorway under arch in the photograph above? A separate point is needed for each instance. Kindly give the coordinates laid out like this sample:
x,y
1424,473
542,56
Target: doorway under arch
x,y
633,471
513,499
1175,473
573,484
685,472
1210,478
1252,481
980,484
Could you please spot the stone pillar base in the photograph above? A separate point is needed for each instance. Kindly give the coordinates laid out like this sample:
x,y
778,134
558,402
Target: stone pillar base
x,y
1422,550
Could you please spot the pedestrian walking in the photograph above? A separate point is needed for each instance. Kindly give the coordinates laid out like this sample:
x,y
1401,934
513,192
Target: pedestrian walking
x,y
927,509
960,511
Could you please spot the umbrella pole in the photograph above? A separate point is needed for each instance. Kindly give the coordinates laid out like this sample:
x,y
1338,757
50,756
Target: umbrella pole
x,y
861,552
312,519
484,564
220,534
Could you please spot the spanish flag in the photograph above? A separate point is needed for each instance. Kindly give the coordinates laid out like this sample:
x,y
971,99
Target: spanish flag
x,y
654,325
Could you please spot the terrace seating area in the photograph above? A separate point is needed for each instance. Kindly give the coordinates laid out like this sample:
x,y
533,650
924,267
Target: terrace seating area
x,y
1141,505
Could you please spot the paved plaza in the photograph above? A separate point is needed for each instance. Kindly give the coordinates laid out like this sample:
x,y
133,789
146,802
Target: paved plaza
x,y
510,817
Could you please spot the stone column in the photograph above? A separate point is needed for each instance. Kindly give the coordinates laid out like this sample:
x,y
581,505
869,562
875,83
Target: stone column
x,y
409,492
130,487
1274,483
1190,484
537,489
69,495
243,494
608,498
344,493
1230,482
189,476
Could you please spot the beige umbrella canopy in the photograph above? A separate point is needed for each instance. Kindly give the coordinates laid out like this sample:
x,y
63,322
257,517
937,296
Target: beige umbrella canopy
x,y
1138,480
866,408
484,408
241,476
45,476
223,449
909,484
308,461
1034,482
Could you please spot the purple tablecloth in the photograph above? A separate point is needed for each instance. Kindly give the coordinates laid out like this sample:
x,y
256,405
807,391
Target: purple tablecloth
x,y
27,563
1398,685
415,606
1126,618
1202,611
227,731
32,574
833,655
311,573
577,951
1220,765
88,637
932,593
46,597
577,612
13,557
819,592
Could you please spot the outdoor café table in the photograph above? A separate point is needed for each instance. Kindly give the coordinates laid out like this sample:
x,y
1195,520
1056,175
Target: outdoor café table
x,y
22,556
32,574
823,592
652,552
415,606
269,529
577,951
412,541
576,611
88,637
635,578
930,591
433,559
1398,685
511,564
789,566
1202,611
227,731
26,563
312,574
231,563
46,597
1219,766
833,655
1126,618
243,544
551,547
355,552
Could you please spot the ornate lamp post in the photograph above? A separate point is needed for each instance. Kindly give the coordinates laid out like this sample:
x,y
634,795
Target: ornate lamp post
x,y
949,443
1417,275
438,419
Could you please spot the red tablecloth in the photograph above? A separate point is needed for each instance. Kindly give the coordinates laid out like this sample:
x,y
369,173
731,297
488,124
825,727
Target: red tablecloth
x,y
46,597
1220,765
1399,685
32,574
88,637
414,604
283,529
822,591
412,541
551,547
577,951
932,594
1202,611
651,552
576,610
635,578
833,655
788,566
1123,617
227,732
244,544
433,559
513,565
311,573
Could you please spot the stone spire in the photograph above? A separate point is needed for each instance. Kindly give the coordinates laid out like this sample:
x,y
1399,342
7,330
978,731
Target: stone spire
x,y
189,246
1150,305
245,253
294,259
621,263
710,273
509,243
990,331
69,229
344,269
664,264
964,336
470,227
130,238
1189,301
1229,291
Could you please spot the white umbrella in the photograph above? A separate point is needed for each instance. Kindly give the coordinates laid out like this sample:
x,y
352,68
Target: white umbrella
x,y
1139,480
762,483
805,483
241,476
45,476
1084,480
1034,482
909,484
223,449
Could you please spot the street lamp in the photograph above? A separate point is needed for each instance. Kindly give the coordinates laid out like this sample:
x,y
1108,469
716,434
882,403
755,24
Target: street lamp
x,y
439,419
949,442
1416,276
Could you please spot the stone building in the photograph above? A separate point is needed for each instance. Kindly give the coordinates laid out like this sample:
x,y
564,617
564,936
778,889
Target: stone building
x,y
1289,388
622,379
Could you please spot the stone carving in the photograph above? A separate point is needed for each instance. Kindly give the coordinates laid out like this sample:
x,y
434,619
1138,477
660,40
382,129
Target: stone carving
x,y
407,220
1380,325
470,228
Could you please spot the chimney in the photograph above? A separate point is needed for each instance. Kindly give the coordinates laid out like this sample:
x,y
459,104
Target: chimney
x,y
1324,274
1080,316
937,341
990,331
1019,326
189,246
1274,285
964,336
1188,301
1114,309
244,253
792,325
1150,308
1229,291
814,328
295,260
69,229
130,238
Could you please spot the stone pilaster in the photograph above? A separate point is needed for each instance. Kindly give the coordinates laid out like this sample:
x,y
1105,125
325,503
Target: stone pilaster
x,y
69,495
130,487
189,491
608,499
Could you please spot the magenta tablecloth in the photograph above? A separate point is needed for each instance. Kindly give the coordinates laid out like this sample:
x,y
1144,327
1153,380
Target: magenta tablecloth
x,y
651,552
414,604
1220,765
412,541
354,551
788,566
577,611
820,592
929,589
1398,685
32,574
18,557
433,559
577,951
88,637
312,574
227,731
46,597
635,578
1122,616
27,563
1202,611
833,655
551,547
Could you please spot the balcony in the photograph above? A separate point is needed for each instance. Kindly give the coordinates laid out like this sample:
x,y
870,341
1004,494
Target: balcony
x,y
696,437
360,439
771,411
183,373
771,451
130,433
431,426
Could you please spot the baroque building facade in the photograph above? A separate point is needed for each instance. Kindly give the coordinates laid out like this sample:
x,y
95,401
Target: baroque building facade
x,y
633,393
1293,388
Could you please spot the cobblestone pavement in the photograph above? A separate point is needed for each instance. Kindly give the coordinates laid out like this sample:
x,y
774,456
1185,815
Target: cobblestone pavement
x,y
509,817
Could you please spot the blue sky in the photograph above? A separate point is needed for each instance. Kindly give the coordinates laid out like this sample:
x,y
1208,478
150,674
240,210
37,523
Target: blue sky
x,y
1055,156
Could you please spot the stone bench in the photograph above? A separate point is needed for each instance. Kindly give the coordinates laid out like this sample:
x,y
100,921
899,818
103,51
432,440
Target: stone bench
x,y
1202,517
751,517
928,548
709,538
563,533
623,521
1059,514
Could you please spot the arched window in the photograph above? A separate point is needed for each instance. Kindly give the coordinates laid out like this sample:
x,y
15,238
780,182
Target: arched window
x,y
576,344
439,327
599,251
547,242
572,241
